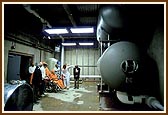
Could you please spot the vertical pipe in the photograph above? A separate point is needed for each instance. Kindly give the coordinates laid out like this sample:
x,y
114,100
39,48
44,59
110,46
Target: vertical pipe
x,y
66,56
76,56
62,56
108,46
101,51
71,50
40,56
82,61
60,53
101,48
70,55
108,40
88,61
94,60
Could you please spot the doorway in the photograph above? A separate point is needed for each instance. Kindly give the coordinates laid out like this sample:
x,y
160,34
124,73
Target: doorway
x,y
13,70
18,64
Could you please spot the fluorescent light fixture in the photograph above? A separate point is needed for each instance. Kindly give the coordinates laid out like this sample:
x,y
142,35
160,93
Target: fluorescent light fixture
x,y
82,30
85,44
68,44
56,31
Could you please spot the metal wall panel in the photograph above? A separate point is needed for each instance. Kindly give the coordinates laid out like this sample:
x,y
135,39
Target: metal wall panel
x,y
84,57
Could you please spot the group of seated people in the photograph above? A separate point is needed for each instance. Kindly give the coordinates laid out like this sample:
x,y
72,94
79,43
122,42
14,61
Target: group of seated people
x,y
40,78
51,75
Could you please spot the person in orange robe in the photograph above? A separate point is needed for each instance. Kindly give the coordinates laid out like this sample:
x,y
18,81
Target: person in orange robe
x,y
56,80
52,76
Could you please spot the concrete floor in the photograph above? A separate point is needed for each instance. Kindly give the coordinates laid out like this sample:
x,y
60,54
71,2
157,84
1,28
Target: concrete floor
x,y
86,98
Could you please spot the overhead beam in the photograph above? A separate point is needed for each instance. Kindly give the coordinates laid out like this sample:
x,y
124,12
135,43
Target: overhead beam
x,y
81,37
43,21
69,13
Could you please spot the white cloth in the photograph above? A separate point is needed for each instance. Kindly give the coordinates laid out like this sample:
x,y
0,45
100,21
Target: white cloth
x,y
65,72
66,75
43,72
31,69
76,70
67,80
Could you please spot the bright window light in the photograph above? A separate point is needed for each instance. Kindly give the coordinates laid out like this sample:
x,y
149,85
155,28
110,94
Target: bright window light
x,y
56,31
82,30
68,44
85,44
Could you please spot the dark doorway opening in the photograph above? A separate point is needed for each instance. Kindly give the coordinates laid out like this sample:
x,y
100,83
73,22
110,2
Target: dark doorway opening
x,y
18,64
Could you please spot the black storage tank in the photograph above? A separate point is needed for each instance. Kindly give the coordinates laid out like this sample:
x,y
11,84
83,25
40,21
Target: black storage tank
x,y
18,97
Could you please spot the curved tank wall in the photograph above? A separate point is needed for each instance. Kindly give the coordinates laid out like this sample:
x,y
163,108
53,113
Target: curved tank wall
x,y
110,62
18,97
109,21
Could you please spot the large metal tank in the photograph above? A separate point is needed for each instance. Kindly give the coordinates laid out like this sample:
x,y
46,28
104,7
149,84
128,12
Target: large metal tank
x,y
18,97
114,62
109,23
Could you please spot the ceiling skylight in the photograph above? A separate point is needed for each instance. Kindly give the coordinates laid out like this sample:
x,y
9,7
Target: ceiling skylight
x,y
82,30
85,44
69,44
57,31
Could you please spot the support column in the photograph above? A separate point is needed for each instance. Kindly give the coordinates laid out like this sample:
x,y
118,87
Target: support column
x,y
62,56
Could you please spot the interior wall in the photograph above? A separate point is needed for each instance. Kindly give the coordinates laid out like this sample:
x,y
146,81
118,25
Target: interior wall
x,y
46,55
86,58
156,52
37,53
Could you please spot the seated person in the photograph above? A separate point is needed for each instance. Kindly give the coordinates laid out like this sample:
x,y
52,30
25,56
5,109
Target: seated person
x,y
52,76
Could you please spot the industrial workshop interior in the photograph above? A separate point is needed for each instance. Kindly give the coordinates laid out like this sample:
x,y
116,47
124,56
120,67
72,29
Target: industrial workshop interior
x,y
81,57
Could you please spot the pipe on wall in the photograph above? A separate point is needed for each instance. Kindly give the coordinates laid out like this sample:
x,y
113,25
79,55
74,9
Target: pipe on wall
x,y
27,43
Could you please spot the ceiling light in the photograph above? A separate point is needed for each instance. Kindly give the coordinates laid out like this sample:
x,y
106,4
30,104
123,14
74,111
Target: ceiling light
x,y
56,31
84,44
82,30
68,44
